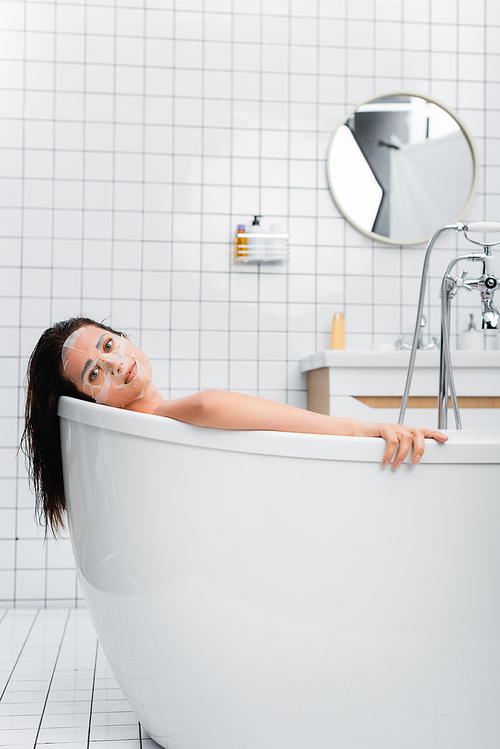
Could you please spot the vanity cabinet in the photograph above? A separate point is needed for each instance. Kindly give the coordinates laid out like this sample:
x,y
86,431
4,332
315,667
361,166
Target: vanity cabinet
x,y
369,385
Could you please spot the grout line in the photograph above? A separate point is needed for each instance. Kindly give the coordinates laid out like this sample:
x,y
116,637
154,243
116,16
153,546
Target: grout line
x,y
172,180
231,185
114,7
20,398
84,154
92,694
259,270
143,182
200,212
287,228
51,678
20,653
316,196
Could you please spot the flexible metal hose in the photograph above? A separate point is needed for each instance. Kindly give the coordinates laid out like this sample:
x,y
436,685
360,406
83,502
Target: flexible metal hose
x,y
446,343
423,284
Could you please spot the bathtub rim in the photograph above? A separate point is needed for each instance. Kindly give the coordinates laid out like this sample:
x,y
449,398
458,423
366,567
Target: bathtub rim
x,y
466,446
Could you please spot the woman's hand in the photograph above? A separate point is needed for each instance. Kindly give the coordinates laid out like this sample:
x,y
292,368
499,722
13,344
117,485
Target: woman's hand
x,y
399,439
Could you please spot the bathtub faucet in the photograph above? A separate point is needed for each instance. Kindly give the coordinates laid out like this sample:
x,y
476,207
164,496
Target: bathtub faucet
x,y
486,284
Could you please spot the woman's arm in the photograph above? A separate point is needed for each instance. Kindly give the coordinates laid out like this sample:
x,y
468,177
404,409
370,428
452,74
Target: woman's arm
x,y
221,409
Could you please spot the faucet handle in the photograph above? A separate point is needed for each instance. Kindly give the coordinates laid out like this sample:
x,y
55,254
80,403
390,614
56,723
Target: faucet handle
x,y
460,280
432,344
400,344
460,283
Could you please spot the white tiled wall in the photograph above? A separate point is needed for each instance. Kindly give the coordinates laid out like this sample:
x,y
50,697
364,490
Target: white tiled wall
x,y
135,136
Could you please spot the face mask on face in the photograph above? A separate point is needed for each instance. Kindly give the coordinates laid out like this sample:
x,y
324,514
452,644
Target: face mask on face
x,y
110,363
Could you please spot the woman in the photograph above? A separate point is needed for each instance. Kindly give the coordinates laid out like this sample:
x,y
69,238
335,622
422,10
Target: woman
x,y
88,360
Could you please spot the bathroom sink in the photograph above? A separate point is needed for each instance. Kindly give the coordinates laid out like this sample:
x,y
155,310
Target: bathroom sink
x,y
369,385
476,373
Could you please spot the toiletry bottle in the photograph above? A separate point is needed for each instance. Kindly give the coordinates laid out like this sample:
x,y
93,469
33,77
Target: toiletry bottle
x,y
472,339
240,243
338,331
256,245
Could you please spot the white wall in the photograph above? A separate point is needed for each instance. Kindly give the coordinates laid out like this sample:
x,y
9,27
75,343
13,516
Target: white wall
x,y
134,137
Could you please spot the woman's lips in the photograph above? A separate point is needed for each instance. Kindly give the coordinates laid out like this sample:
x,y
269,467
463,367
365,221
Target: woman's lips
x,y
131,373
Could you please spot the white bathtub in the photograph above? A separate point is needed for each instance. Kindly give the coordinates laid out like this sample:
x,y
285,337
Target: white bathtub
x,y
262,590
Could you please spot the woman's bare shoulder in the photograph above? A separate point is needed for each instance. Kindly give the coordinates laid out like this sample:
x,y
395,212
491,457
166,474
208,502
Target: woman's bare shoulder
x,y
182,409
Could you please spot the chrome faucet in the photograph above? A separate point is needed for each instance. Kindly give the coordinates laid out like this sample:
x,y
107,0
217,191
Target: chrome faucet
x,y
486,284
400,343
491,315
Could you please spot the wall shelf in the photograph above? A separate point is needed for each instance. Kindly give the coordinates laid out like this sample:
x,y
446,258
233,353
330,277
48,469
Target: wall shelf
x,y
271,249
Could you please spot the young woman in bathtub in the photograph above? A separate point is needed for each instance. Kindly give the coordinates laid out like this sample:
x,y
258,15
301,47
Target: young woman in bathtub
x,y
88,360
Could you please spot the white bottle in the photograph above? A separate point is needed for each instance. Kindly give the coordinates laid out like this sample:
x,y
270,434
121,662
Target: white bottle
x,y
472,339
256,245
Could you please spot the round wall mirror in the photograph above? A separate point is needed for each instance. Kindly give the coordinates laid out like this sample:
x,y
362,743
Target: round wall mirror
x,y
400,166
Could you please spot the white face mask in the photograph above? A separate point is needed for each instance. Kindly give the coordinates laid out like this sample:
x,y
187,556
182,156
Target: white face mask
x,y
106,366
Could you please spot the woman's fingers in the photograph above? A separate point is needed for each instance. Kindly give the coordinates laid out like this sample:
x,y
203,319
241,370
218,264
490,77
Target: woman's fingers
x,y
392,444
433,434
405,443
419,437
396,438
401,439
418,445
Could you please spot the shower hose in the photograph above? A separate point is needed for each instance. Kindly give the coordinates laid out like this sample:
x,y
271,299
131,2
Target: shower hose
x,y
445,329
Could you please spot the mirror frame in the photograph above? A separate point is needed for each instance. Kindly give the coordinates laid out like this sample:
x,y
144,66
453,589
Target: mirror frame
x,y
463,128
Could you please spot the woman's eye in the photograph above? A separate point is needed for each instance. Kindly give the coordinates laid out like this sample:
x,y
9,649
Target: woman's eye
x,y
93,374
108,345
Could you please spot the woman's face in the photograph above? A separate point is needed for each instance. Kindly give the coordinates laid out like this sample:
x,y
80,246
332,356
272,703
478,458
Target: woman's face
x,y
108,367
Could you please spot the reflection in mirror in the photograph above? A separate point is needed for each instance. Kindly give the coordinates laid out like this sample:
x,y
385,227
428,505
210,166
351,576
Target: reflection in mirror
x,y
401,166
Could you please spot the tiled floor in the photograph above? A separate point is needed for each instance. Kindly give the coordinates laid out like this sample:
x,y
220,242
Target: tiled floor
x,y
56,687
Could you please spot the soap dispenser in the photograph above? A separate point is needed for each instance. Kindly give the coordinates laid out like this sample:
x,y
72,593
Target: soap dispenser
x,y
472,339
256,245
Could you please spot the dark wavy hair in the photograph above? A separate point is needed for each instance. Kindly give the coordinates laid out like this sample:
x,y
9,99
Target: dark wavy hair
x,y
40,441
